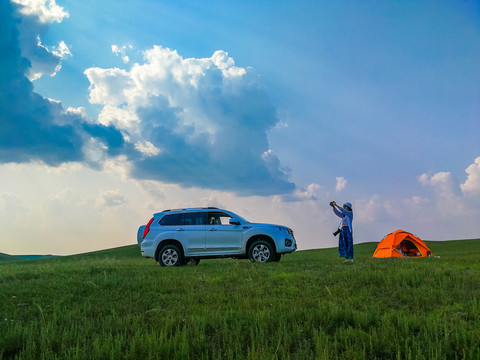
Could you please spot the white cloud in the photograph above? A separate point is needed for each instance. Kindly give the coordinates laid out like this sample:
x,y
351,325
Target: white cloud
x,y
47,11
227,65
61,50
310,193
147,148
79,112
472,184
122,118
448,201
443,182
122,51
109,86
341,183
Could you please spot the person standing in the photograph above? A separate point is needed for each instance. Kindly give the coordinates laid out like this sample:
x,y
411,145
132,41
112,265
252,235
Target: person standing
x,y
345,241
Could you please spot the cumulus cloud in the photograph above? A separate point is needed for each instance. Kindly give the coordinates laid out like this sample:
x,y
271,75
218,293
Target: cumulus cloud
x,y
472,184
47,11
449,200
195,122
443,182
35,128
341,183
310,193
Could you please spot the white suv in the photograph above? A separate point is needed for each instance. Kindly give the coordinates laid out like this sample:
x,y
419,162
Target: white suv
x,y
181,236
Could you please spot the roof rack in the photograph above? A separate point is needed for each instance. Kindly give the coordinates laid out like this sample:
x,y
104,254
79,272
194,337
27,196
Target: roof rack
x,y
195,208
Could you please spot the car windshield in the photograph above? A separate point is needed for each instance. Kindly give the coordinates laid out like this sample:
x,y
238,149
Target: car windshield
x,y
238,217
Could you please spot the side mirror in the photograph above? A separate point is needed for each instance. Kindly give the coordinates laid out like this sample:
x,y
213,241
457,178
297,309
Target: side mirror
x,y
233,221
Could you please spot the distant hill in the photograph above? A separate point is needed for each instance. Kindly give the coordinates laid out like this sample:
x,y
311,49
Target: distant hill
x,y
6,257
129,251
13,258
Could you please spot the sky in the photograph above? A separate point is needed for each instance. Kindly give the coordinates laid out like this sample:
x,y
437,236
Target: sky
x,y
111,111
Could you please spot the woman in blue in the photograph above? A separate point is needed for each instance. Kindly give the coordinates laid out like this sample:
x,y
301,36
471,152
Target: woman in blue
x,y
345,241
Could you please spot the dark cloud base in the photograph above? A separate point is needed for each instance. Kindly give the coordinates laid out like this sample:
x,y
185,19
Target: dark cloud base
x,y
32,127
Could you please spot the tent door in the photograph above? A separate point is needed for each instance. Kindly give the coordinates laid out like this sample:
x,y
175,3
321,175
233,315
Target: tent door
x,y
408,248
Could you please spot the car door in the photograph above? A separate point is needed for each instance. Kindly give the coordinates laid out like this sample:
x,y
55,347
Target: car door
x,y
222,238
191,232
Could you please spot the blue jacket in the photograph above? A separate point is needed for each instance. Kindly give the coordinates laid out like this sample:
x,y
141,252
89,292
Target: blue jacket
x,y
347,217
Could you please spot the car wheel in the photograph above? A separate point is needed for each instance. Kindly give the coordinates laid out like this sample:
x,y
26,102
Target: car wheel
x,y
261,251
170,255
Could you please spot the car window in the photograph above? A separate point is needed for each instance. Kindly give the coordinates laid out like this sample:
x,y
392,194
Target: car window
x,y
169,220
192,218
218,218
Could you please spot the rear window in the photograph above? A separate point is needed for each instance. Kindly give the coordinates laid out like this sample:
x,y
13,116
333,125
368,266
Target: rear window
x,y
171,219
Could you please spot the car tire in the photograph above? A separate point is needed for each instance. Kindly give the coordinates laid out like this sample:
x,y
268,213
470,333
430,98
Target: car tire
x,y
261,251
170,255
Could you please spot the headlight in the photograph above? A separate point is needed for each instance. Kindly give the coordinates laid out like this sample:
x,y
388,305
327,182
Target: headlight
x,y
286,230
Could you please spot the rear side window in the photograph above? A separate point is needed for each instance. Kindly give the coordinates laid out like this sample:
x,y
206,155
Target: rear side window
x,y
169,220
193,218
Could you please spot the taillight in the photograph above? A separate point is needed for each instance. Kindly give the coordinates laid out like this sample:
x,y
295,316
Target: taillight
x,y
147,228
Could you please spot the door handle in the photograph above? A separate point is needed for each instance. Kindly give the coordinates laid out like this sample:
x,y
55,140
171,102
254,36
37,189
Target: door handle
x,y
179,229
212,229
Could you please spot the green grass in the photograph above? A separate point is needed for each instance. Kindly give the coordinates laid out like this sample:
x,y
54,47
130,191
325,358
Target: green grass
x,y
116,305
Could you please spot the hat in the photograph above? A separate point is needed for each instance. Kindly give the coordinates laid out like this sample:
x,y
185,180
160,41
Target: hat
x,y
348,204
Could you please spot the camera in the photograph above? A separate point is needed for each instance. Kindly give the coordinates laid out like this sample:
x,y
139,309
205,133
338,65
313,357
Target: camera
x,y
337,232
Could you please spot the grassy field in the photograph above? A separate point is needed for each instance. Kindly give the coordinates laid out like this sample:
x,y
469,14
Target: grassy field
x,y
116,305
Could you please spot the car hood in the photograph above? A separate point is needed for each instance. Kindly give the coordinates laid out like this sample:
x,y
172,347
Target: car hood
x,y
265,225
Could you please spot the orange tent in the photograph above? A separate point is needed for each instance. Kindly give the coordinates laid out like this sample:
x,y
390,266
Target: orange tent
x,y
401,244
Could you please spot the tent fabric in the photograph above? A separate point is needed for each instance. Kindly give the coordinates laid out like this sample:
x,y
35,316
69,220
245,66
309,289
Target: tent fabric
x,y
401,243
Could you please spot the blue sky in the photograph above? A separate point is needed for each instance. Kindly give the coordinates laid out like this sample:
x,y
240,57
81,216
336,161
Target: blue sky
x,y
114,110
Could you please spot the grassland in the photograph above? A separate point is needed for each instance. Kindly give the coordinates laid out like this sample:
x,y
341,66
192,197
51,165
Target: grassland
x,y
116,305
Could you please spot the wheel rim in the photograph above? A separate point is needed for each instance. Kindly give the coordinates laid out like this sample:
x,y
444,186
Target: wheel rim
x,y
170,257
261,253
